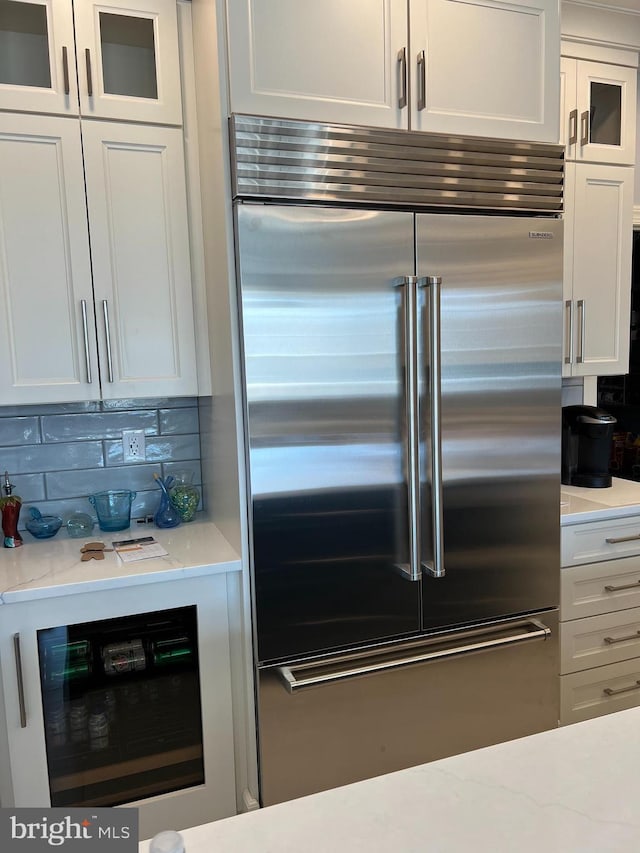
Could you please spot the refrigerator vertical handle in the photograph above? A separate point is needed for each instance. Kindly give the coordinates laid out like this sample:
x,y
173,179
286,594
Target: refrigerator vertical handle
x,y
435,566
412,570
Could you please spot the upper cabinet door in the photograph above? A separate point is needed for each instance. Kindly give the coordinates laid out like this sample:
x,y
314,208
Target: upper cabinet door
x,y
606,108
37,60
320,60
486,67
47,337
128,63
140,255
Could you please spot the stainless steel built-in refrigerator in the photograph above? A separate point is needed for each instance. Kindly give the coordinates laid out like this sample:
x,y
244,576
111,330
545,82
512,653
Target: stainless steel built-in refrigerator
x,y
402,391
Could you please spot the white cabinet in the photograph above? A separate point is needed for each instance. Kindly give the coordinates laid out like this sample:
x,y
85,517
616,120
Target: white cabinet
x,y
158,669
51,348
597,268
600,619
121,61
46,298
483,67
598,107
140,255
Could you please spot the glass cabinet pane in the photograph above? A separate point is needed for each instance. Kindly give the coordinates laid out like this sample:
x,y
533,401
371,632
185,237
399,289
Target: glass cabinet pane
x,y
24,45
122,710
606,114
128,56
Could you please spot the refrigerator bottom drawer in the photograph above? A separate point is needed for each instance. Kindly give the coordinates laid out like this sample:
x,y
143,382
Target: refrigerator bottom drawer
x,y
337,720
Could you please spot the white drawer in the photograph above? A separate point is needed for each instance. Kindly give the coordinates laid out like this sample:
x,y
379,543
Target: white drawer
x,y
599,640
583,695
599,588
599,540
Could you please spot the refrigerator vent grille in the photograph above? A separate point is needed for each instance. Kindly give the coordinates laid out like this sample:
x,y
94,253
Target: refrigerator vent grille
x,y
302,161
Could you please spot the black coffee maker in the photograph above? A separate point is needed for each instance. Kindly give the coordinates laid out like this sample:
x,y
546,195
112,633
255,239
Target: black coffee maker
x,y
587,433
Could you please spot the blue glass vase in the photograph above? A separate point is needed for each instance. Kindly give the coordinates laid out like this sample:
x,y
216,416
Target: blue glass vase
x,y
166,515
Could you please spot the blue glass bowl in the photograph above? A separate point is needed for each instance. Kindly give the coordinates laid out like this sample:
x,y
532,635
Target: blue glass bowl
x,y
44,527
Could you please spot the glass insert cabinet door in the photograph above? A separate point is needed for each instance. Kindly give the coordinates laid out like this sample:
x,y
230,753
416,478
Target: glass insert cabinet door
x,y
122,708
37,61
128,65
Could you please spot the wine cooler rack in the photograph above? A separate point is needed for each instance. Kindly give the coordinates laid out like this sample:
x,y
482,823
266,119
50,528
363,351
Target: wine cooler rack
x,y
122,707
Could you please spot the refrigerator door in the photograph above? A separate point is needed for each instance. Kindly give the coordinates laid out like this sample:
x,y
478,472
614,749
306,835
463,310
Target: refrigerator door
x,y
500,282
334,721
323,322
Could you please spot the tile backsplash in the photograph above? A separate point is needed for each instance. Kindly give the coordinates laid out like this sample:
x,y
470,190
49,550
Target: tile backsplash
x,y
56,455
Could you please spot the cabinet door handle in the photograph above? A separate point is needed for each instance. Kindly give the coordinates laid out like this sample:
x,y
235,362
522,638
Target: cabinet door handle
x,y
610,691
611,640
609,588
584,128
87,60
65,71
422,81
581,309
402,71
20,679
107,335
569,345
612,541
85,332
573,127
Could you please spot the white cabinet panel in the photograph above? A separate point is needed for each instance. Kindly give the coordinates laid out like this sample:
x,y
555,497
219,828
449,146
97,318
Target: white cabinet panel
x,y
598,236
600,640
491,67
45,274
128,62
318,59
140,255
37,62
478,67
598,115
601,690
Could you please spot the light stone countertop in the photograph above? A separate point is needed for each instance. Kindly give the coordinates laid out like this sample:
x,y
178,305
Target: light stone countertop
x,y
51,567
570,790
579,505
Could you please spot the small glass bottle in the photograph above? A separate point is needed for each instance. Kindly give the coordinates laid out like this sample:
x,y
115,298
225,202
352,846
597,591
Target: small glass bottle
x,y
184,495
10,506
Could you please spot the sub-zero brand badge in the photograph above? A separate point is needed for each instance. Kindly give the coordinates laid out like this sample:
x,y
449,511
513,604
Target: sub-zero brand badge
x,y
77,830
541,235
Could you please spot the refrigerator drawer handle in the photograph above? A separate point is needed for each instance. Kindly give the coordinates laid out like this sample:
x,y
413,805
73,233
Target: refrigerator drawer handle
x,y
435,566
293,683
614,541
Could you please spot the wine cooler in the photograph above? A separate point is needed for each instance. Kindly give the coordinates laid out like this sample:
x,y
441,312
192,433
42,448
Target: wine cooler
x,y
122,707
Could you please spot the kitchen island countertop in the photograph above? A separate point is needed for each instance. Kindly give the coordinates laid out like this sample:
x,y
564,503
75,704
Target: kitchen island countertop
x,y
578,505
571,789
52,567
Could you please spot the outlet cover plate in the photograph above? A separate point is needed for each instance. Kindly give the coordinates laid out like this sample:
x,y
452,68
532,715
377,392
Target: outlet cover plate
x,y
133,445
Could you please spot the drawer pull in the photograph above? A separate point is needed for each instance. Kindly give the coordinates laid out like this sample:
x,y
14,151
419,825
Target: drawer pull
x,y
634,585
610,691
633,538
611,640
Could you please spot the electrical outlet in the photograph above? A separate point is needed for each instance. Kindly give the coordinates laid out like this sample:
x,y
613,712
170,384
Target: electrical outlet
x,y
133,447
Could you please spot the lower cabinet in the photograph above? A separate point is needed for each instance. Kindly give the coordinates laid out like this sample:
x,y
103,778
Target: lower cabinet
x,y
120,697
600,626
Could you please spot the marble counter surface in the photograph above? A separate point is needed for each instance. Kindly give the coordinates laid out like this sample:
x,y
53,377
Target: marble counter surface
x,y
571,789
52,567
579,505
